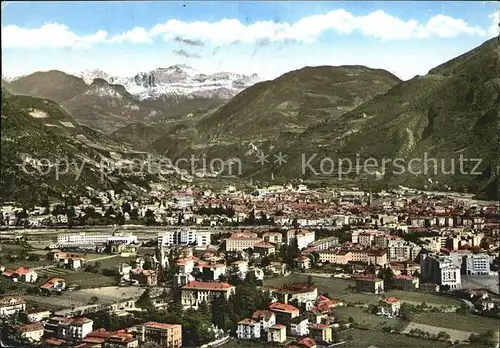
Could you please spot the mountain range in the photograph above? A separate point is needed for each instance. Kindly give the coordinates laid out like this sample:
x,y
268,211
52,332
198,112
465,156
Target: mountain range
x,y
329,112
107,102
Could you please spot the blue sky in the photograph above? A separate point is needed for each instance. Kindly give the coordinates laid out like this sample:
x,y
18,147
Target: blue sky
x,y
267,38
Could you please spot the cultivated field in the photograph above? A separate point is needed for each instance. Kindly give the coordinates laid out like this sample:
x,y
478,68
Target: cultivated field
x,y
455,321
365,338
105,295
338,288
455,335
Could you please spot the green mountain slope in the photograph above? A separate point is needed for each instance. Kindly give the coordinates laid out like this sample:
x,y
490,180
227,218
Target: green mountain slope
x,y
451,112
54,85
38,137
271,113
295,100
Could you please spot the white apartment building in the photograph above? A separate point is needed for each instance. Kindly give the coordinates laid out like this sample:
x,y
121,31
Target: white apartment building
x,y
240,242
325,243
400,250
194,293
476,264
248,329
95,238
441,270
184,237
304,237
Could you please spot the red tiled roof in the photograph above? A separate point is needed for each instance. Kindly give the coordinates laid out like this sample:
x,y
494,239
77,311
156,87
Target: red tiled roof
x,y
390,300
319,326
282,307
262,314
23,270
30,327
264,245
55,341
308,342
247,321
278,326
8,273
403,276
154,324
207,285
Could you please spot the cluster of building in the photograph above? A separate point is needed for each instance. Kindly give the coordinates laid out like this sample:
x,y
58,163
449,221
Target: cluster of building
x,y
43,326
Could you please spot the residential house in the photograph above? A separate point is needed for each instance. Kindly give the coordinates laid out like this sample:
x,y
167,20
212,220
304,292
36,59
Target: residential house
x,y
148,277
121,339
406,282
284,312
301,292
273,237
31,332
35,315
368,283
195,292
66,328
265,318
302,262
53,285
389,306
26,274
164,335
299,326
264,248
306,343
321,333
276,333
277,268
70,260
248,329
11,304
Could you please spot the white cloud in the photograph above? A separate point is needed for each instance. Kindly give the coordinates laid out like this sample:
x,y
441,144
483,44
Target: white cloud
x,y
58,35
48,35
377,24
136,35
494,29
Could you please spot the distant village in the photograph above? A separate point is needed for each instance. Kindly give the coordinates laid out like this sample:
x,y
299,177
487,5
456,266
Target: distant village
x,y
287,266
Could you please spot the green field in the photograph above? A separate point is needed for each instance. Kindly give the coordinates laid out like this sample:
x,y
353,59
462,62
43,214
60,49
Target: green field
x,y
364,319
338,289
89,280
364,338
472,323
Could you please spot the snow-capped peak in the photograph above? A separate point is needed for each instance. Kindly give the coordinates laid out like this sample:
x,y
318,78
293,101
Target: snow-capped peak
x,y
178,80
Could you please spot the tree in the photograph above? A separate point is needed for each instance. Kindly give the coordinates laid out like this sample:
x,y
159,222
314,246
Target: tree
x,y
144,301
387,275
406,312
371,269
110,212
310,280
442,335
233,277
134,214
120,218
292,251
